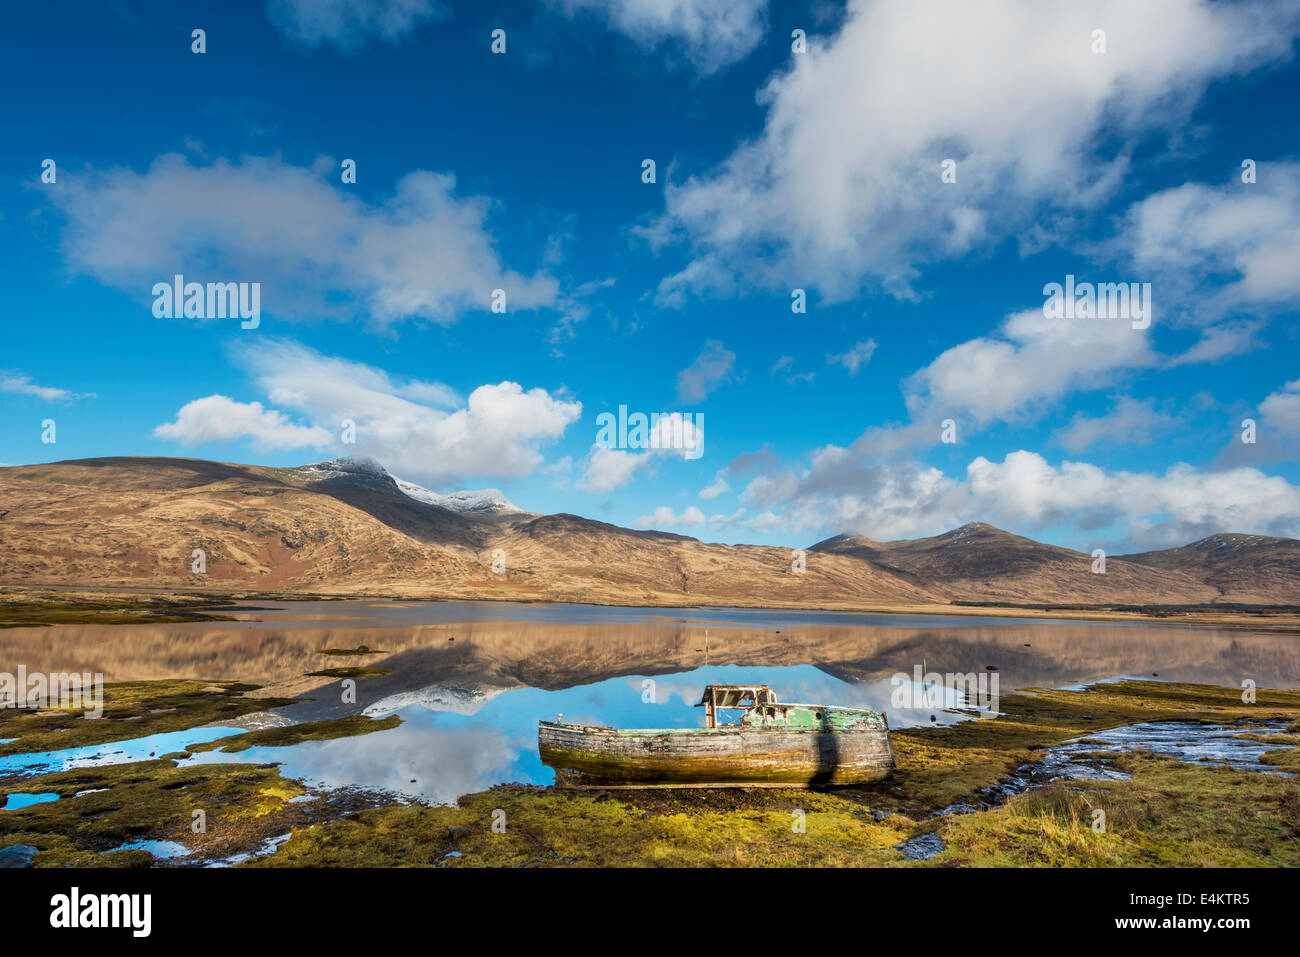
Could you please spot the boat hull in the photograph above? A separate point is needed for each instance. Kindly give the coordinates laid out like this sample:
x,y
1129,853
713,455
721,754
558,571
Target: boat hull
x,y
723,757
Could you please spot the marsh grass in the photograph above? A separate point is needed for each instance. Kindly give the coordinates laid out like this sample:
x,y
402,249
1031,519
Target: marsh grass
x,y
1169,814
152,800
132,709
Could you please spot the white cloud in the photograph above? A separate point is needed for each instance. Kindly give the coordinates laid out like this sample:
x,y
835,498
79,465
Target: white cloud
x,y
663,517
1180,505
1281,410
711,368
1221,341
415,428
766,522
218,418
21,384
711,35
1276,433
720,522
1033,362
607,469
840,492
673,435
715,488
1014,375
1024,492
1241,240
841,188
855,358
350,24
1129,422
316,249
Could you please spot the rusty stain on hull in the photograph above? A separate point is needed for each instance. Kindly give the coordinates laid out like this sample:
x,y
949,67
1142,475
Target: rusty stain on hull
x,y
772,745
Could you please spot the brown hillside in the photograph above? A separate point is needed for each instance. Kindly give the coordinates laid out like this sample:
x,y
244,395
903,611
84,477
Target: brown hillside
x,y
346,527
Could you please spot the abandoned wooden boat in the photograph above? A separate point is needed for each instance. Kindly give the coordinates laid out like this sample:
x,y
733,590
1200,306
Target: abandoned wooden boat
x,y
772,744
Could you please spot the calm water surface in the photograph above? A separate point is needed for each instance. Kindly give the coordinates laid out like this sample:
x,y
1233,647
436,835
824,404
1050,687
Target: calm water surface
x,y
470,680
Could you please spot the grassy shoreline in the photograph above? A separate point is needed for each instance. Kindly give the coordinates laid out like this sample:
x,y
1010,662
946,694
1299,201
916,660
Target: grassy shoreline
x,y
35,605
1169,814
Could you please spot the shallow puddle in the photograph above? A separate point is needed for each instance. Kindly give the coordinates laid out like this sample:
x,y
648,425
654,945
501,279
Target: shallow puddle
x,y
115,752
16,802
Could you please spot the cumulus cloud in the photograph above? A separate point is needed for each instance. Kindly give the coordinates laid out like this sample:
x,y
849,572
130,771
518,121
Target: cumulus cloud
x,y
711,368
1179,505
710,35
1031,362
317,250
1014,375
218,418
1025,492
841,189
416,428
21,384
349,25
1223,247
607,467
663,517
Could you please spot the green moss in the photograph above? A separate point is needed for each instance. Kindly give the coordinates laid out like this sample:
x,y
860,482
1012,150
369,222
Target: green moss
x,y
1288,759
156,800
152,800
548,828
1169,814
132,709
358,650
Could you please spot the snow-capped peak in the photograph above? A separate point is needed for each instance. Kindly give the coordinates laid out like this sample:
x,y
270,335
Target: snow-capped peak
x,y
486,501
353,464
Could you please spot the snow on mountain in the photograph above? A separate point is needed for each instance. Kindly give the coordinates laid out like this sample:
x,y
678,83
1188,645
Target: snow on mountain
x,y
484,501
359,465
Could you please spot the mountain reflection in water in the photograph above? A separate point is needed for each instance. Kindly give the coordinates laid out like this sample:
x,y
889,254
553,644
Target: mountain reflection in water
x,y
450,745
471,679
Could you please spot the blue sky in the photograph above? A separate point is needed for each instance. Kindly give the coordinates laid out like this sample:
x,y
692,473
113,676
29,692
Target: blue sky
x,y
775,171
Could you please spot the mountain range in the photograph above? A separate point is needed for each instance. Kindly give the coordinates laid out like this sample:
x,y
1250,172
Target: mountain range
x,y
349,527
